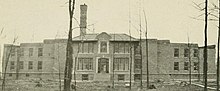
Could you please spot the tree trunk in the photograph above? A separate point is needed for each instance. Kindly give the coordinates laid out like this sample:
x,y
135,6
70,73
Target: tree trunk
x,y
205,48
69,51
218,50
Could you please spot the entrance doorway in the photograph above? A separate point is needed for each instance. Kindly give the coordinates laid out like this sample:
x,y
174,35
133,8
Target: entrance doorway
x,y
103,65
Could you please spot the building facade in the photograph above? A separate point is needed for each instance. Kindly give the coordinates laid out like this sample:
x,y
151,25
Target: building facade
x,y
107,57
104,57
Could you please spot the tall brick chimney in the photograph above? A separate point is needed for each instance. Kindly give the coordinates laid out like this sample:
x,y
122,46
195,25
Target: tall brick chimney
x,y
83,18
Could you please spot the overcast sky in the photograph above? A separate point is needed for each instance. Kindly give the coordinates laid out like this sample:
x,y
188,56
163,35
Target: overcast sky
x,y
35,20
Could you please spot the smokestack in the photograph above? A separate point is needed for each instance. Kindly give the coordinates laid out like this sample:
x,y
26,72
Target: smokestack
x,y
83,18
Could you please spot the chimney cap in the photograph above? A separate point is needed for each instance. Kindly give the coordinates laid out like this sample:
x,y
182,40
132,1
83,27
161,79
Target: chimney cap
x,y
83,4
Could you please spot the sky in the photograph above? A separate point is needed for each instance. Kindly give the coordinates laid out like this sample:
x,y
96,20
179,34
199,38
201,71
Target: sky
x,y
36,20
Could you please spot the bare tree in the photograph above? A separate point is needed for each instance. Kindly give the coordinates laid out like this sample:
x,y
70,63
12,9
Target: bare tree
x,y
147,65
8,54
217,80
69,50
205,55
205,42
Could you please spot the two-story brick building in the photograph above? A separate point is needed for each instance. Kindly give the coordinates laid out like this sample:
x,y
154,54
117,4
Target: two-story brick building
x,y
104,56
97,56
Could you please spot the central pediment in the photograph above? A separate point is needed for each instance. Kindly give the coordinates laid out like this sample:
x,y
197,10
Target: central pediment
x,y
103,36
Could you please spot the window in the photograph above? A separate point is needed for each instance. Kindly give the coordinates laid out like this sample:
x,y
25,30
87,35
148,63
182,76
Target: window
x,y
91,46
85,77
137,64
40,63
12,51
103,47
186,52
121,47
31,51
137,77
121,64
10,74
85,64
30,65
40,52
196,66
186,65
86,47
176,65
176,52
195,53
12,65
121,77
137,49
22,52
116,47
21,64
27,75
127,47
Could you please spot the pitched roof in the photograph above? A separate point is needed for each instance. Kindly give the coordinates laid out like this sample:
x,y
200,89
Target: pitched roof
x,y
114,37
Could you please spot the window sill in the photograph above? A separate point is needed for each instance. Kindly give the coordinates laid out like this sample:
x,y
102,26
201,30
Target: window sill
x,y
121,70
84,70
85,53
121,53
103,53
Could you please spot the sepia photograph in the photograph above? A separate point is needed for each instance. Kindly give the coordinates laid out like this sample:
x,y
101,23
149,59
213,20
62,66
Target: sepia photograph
x,y
109,45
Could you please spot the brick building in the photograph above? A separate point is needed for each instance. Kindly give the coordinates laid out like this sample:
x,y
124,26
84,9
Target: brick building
x,y
98,56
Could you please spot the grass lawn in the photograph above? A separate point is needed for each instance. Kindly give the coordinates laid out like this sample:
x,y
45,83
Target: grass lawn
x,y
30,85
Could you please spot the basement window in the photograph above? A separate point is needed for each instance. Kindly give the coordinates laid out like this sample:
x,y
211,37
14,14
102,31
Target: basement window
x,y
85,77
137,77
27,75
121,77
10,74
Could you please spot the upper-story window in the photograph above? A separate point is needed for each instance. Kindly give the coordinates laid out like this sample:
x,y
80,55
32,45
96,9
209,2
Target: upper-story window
x,y
12,51
186,65
176,52
85,47
12,65
195,53
120,47
22,52
21,64
40,52
103,47
40,65
186,52
176,65
196,65
137,64
30,65
31,50
137,49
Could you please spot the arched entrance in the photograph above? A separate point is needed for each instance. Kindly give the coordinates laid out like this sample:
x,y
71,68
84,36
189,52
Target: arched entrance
x,y
103,65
